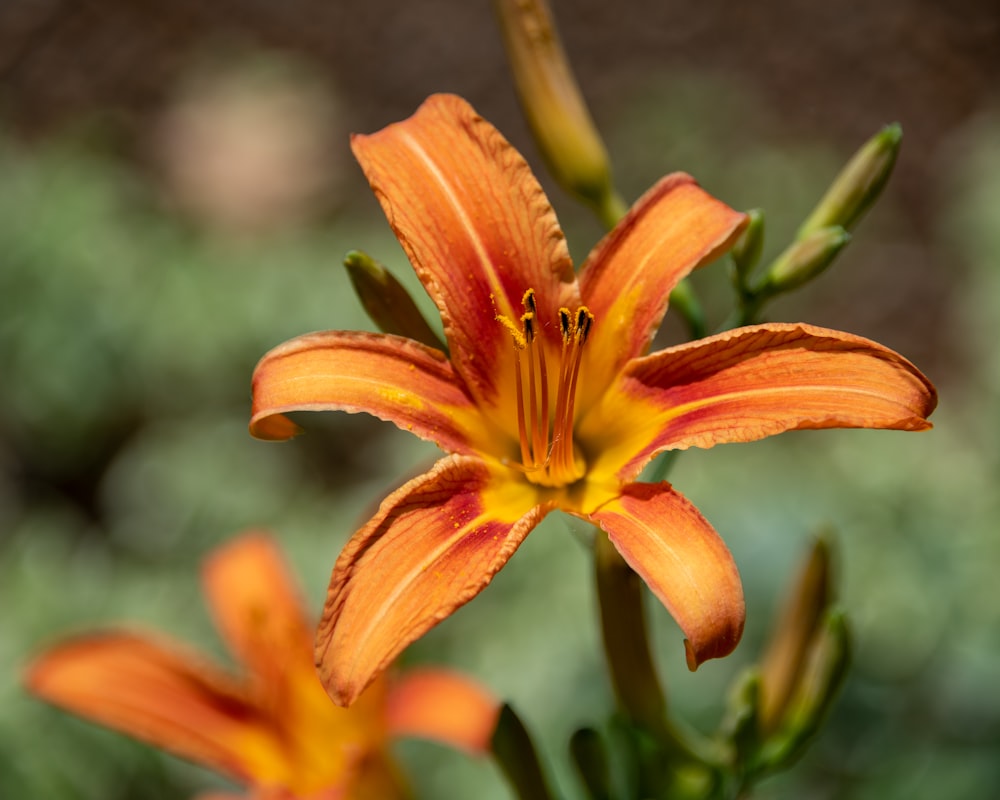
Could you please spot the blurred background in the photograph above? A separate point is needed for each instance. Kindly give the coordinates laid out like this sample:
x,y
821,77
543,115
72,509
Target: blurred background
x,y
176,195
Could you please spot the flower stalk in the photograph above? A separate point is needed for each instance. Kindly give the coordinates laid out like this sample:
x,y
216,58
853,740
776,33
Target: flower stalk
x,y
626,644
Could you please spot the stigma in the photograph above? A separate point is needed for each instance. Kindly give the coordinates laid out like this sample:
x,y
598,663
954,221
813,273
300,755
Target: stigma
x,y
549,455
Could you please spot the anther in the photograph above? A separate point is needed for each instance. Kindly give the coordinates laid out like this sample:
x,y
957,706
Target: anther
x,y
564,323
584,319
528,301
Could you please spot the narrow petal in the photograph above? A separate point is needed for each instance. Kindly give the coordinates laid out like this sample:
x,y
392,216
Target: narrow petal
x,y
476,226
750,383
444,706
434,544
626,281
685,563
258,610
153,690
391,377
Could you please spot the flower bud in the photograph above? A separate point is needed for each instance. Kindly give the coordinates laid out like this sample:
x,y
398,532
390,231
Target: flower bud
x,y
799,618
803,260
858,185
825,672
553,104
386,300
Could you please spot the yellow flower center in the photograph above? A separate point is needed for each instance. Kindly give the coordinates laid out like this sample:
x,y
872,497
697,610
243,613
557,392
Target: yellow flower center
x,y
549,456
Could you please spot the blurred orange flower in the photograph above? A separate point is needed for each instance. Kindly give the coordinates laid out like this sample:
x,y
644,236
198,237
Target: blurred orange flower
x,y
274,729
547,398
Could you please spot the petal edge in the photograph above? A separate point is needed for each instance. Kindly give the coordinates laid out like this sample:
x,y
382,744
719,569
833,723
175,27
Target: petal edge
x,y
434,544
685,563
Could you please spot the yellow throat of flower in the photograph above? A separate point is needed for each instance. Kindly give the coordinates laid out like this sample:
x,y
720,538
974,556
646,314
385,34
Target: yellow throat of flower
x,y
549,456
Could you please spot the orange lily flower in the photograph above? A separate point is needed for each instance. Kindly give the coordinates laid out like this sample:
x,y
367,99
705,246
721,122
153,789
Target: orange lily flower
x,y
275,730
547,398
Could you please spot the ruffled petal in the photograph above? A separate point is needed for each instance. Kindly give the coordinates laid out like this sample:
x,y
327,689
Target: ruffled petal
x,y
259,612
750,383
477,228
154,690
685,563
434,544
391,377
444,706
626,281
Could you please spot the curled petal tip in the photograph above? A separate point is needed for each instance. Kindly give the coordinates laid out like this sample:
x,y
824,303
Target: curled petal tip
x,y
718,647
274,428
690,655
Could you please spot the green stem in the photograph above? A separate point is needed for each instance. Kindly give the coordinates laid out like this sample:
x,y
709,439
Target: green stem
x,y
747,313
626,645
610,209
684,300
660,468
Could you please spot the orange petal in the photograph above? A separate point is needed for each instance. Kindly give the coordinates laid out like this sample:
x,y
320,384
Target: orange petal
x,y
394,378
750,383
434,544
476,226
444,706
155,691
258,610
685,563
627,279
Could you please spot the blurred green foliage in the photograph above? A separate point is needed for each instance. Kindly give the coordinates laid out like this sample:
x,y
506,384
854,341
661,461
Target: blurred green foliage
x,y
127,339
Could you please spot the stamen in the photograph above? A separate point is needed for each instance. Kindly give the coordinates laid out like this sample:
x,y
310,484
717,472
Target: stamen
x,y
522,434
516,335
548,455
539,424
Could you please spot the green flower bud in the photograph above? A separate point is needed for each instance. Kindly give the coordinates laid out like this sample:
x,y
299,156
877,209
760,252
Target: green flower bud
x,y
858,185
799,619
386,300
803,260
825,672
829,658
